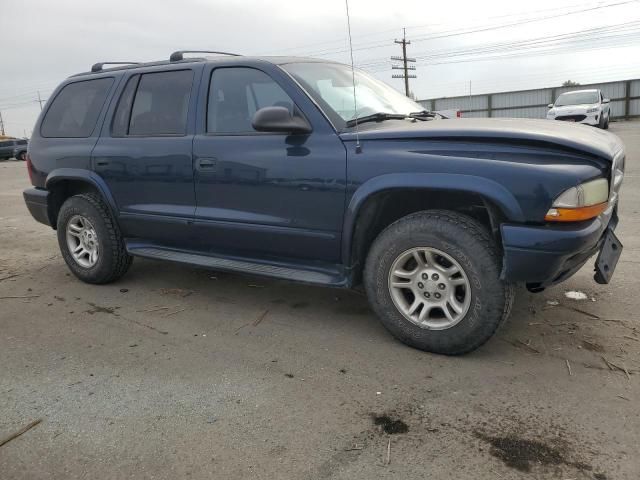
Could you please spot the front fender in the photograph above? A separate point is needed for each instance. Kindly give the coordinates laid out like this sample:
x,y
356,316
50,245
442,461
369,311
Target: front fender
x,y
482,186
81,175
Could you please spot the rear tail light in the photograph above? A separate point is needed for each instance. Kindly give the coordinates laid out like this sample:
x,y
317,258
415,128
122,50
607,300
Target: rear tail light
x,y
459,114
30,169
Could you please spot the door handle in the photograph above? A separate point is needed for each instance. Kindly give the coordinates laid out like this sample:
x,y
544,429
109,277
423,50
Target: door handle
x,y
206,163
102,163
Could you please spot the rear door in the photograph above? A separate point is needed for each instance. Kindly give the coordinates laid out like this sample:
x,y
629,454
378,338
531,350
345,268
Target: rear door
x,y
144,154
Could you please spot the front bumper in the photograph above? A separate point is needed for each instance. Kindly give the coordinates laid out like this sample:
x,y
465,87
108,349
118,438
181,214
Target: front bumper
x,y
545,255
592,118
37,201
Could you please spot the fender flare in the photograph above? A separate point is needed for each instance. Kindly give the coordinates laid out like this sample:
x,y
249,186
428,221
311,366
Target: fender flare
x,y
86,176
452,182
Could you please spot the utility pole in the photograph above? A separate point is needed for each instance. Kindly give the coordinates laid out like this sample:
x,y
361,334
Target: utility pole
x,y
405,63
1,125
39,100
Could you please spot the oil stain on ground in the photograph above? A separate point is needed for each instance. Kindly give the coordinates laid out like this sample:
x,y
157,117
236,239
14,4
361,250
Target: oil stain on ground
x,y
99,309
389,424
522,454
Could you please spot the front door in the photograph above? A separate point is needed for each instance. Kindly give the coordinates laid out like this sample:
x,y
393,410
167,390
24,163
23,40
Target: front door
x,y
261,194
144,155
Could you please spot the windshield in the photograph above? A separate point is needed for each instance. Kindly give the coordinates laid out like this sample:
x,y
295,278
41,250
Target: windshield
x,y
331,86
577,98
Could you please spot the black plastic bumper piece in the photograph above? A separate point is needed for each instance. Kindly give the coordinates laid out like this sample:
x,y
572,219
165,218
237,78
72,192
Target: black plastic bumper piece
x,y
37,201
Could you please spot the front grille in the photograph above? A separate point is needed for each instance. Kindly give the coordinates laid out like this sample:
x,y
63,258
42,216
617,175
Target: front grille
x,y
575,118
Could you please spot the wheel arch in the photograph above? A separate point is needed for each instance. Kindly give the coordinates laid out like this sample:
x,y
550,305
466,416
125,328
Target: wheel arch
x,y
63,183
382,200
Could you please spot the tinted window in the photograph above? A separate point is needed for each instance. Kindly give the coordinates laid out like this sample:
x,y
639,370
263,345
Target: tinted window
x,y
21,142
74,111
161,104
120,125
6,143
235,94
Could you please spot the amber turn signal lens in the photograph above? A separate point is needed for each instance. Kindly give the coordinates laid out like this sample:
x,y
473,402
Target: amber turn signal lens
x,y
575,214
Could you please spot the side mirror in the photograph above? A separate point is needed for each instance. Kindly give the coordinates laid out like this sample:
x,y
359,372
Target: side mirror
x,y
278,119
606,100
550,105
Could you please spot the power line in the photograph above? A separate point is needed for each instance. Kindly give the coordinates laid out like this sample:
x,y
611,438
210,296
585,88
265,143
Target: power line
x,y
598,37
459,32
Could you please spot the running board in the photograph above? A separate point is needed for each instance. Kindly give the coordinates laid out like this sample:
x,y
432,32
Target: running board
x,y
306,275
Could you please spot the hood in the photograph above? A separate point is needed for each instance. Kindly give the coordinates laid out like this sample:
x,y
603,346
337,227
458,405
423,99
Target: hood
x,y
574,109
577,137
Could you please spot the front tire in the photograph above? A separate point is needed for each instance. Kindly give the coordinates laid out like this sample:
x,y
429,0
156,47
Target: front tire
x,y
433,279
90,240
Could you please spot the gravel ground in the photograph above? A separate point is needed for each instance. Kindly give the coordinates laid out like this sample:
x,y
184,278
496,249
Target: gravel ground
x,y
176,372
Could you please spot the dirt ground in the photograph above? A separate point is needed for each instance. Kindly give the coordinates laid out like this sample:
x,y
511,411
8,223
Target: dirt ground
x,y
176,372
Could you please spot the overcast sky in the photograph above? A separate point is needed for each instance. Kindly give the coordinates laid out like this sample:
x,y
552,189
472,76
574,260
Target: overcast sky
x,y
537,44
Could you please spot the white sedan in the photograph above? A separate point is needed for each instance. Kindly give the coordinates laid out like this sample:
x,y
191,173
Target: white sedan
x,y
581,106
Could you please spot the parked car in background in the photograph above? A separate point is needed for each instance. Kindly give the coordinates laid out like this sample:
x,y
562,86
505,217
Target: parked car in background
x,y
581,106
259,165
13,148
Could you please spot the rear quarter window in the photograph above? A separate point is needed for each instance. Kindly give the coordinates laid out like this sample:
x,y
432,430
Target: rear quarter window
x,y
75,110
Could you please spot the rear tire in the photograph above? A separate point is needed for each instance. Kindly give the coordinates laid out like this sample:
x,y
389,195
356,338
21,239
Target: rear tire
x,y
90,240
469,248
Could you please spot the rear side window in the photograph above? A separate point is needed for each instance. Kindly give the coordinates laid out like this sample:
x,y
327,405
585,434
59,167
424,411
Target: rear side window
x,y
75,110
161,104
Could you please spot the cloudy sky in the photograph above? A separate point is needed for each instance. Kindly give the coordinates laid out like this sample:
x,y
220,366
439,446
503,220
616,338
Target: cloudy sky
x,y
490,45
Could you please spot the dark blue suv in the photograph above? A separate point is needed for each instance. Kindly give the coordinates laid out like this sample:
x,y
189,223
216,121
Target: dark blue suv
x,y
308,171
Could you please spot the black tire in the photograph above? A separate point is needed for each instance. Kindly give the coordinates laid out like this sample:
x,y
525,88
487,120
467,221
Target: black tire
x,y
22,156
113,260
601,122
471,245
606,124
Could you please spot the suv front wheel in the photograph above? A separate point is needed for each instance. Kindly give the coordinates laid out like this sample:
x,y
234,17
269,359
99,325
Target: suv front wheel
x,y
433,278
90,240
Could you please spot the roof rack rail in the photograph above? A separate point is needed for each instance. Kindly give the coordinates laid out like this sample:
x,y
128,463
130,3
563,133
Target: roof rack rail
x,y
179,55
97,67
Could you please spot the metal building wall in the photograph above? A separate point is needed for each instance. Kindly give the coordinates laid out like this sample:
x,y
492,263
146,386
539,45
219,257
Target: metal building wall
x,y
624,95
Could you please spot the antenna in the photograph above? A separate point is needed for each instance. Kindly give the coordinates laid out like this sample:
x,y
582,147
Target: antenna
x,y
353,79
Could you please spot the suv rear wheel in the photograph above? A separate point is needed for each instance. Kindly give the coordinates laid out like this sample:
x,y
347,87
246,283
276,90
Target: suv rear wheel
x,y
433,278
90,241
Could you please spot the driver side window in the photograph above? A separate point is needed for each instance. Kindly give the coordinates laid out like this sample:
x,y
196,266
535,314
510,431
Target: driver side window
x,y
236,93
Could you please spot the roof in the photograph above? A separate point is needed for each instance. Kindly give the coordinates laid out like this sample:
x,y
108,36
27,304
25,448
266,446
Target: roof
x,y
222,58
582,91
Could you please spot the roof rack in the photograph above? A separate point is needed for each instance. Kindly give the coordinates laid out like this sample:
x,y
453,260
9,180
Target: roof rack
x,y
179,55
97,67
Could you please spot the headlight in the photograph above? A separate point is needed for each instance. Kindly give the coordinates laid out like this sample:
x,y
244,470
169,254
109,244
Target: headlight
x,y
551,113
586,201
593,110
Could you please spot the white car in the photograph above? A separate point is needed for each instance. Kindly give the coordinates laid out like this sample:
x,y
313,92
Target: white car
x,y
581,106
